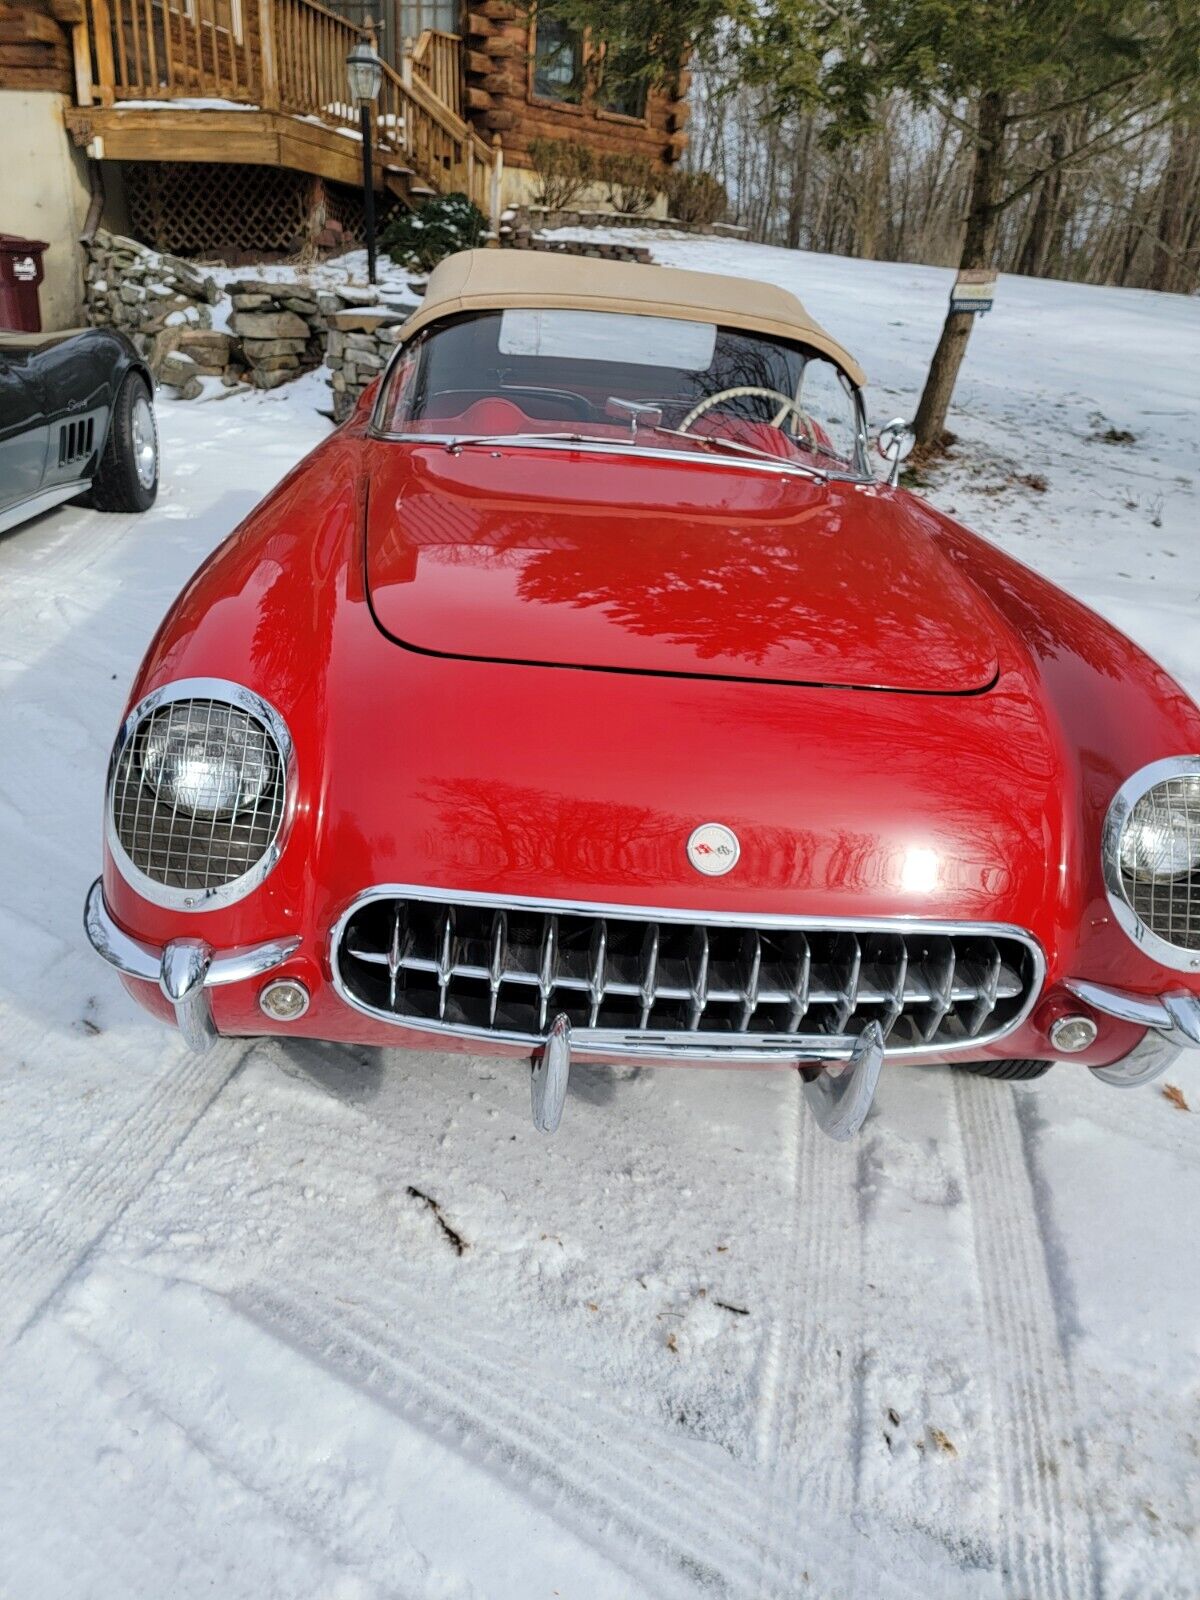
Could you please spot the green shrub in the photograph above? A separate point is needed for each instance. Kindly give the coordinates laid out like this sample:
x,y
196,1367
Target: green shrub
x,y
631,182
695,196
442,226
563,171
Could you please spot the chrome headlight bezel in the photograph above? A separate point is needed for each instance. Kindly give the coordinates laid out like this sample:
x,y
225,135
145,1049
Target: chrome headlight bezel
x,y
1119,813
237,697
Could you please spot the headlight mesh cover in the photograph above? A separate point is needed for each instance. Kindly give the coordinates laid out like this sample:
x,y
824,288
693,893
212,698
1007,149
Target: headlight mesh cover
x,y
196,850
1161,877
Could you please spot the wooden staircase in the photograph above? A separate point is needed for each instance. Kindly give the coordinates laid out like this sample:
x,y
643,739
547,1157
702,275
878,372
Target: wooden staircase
x,y
263,82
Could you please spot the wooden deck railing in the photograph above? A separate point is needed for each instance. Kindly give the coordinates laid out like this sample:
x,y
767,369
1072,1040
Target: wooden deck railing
x,y
174,49
435,143
311,46
437,63
287,56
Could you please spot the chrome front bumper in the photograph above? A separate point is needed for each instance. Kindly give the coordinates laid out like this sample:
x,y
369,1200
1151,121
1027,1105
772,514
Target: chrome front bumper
x,y
185,969
840,1073
1172,1023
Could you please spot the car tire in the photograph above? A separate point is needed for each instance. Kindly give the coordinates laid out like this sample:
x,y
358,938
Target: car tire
x,y
127,477
1013,1071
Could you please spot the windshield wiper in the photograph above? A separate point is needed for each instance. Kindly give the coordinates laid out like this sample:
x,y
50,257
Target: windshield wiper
x,y
716,442
453,445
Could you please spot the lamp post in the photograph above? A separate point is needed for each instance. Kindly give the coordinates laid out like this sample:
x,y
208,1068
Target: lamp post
x,y
364,72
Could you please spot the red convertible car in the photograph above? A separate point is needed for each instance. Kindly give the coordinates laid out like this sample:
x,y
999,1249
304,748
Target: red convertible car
x,y
585,696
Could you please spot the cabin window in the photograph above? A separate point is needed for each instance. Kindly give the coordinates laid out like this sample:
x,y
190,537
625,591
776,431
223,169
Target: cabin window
x,y
415,16
558,62
223,14
620,88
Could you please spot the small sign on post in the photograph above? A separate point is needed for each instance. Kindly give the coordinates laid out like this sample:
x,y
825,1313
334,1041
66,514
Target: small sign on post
x,y
974,290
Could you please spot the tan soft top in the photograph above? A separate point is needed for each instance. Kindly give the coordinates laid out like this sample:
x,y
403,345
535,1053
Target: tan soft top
x,y
492,280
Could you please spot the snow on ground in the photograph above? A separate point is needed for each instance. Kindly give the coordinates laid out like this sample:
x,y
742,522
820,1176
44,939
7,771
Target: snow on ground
x,y
688,1347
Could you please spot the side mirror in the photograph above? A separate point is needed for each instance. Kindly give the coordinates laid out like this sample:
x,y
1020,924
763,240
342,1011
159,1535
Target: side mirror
x,y
895,444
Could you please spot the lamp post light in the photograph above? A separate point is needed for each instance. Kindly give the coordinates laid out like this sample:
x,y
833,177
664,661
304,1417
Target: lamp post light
x,y
364,72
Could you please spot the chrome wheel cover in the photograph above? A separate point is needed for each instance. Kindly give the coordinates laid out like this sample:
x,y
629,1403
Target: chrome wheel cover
x,y
145,442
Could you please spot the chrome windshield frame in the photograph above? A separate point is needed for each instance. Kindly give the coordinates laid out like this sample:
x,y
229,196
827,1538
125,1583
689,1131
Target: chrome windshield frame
x,y
863,476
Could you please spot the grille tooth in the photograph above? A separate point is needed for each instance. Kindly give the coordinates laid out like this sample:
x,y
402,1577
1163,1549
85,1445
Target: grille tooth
x,y
649,972
988,985
802,975
499,944
939,977
546,966
446,952
847,973
895,1004
698,975
751,972
395,953
509,969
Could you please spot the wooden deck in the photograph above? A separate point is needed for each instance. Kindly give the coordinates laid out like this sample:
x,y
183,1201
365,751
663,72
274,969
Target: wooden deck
x,y
263,82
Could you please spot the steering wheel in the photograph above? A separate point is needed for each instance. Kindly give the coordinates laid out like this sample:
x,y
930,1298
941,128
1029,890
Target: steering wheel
x,y
737,392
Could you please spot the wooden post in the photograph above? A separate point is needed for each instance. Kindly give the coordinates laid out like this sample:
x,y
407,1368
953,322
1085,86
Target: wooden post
x,y
105,67
497,182
406,62
81,48
269,89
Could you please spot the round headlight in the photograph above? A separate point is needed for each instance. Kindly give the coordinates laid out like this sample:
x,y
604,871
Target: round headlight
x,y
197,793
206,757
1161,839
1152,860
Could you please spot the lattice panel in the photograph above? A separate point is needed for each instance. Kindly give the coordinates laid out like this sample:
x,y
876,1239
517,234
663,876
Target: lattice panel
x,y
346,206
204,209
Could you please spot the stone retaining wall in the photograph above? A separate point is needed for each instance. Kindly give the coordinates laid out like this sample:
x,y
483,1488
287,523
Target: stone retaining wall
x,y
143,292
280,329
606,250
535,218
276,330
357,346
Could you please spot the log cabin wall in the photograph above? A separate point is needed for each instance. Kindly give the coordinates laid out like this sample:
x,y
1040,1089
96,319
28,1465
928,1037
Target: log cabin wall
x,y
501,94
35,47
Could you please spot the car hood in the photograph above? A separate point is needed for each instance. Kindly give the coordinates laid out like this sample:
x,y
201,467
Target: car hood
x,y
574,558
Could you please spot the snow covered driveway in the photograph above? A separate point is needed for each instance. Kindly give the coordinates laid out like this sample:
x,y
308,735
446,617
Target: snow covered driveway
x,y
296,1321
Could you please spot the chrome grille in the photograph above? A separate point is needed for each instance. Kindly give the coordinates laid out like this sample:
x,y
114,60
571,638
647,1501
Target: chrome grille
x,y
193,850
507,968
1160,882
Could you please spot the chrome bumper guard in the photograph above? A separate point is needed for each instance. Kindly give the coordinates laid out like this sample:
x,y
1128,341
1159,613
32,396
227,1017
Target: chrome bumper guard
x,y
184,970
840,1072
1172,1023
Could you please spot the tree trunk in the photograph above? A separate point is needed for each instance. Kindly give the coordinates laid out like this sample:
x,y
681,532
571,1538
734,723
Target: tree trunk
x,y
799,190
1167,268
980,236
1036,249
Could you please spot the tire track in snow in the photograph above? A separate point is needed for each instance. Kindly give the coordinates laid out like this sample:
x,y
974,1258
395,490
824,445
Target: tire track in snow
x,y
1043,1526
809,1425
36,1260
674,1522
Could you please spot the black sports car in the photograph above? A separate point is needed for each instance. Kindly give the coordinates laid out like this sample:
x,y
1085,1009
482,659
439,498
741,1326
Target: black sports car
x,y
76,416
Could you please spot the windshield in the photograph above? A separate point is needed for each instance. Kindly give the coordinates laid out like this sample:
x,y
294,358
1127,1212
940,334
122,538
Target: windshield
x,y
625,380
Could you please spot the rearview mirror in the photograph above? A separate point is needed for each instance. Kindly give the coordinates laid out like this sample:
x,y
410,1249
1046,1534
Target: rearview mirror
x,y
637,413
895,443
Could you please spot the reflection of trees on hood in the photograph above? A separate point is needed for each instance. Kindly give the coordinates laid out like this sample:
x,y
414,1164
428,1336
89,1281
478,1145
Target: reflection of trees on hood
x,y
518,829
730,591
